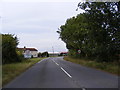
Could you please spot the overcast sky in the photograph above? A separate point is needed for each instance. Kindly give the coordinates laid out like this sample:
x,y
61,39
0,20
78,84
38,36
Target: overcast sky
x,y
35,22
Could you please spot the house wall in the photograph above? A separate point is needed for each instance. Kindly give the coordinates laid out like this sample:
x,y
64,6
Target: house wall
x,y
34,53
27,54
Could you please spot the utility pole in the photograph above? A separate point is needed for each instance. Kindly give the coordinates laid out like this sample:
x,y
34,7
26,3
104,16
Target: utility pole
x,y
53,50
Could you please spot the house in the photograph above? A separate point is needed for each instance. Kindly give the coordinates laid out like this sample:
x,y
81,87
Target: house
x,y
29,52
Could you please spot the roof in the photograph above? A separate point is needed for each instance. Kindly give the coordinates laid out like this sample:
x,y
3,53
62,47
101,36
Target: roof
x,y
31,49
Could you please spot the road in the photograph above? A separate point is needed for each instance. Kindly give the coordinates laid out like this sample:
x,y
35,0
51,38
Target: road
x,y
54,72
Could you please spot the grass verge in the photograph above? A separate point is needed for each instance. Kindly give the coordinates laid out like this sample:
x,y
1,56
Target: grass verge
x,y
111,67
10,71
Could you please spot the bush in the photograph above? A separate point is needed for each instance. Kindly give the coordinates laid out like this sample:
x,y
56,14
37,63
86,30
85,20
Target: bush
x,y
20,55
9,44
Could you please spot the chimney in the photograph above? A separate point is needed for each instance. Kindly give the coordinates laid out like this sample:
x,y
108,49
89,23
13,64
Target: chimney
x,y
24,48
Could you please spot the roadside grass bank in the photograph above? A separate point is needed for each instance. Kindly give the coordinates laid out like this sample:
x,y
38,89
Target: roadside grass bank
x,y
111,67
10,71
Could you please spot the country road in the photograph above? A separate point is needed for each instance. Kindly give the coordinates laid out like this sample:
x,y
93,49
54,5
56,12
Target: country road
x,y
54,72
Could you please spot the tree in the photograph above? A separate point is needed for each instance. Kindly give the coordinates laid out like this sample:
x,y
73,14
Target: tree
x,y
104,23
74,34
9,44
95,32
45,54
39,54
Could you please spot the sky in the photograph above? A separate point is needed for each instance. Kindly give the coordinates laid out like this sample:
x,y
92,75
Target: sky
x,y
35,22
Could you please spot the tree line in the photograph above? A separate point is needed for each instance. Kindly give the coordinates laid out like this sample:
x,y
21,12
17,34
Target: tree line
x,y
95,32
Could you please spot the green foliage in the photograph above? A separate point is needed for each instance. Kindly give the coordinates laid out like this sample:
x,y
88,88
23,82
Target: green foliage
x,y
9,44
20,55
44,54
39,54
0,49
96,32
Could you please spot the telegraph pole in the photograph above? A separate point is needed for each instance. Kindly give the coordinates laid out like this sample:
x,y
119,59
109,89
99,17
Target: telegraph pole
x,y
53,50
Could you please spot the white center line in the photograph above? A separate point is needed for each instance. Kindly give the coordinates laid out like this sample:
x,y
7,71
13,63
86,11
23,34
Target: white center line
x,y
56,63
66,73
83,89
63,69
53,60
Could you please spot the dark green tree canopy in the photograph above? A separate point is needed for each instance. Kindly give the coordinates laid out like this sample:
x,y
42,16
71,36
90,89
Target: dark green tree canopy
x,y
45,54
9,44
95,32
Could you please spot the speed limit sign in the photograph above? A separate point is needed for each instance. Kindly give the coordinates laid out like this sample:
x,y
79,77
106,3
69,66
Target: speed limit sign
x,y
79,51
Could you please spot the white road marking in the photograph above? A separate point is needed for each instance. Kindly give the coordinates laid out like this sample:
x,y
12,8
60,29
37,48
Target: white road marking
x,y
83,89
63,69
66,73
41,60
55,63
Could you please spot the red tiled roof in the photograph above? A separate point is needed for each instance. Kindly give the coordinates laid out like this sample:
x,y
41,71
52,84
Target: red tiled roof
x,y
20,48
31,49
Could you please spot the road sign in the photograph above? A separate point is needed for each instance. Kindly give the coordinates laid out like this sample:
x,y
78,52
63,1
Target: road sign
x,y
79,51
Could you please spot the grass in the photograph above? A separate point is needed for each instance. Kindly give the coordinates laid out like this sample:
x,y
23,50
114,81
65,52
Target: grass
x,y
111,67
10,71
0,76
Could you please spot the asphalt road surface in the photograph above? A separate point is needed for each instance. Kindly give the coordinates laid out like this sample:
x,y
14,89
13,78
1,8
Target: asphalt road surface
x,y
54,72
